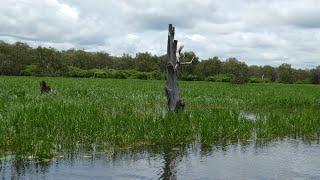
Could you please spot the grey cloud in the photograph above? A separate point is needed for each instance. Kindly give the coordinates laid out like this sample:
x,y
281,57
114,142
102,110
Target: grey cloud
x,y
312,21
19,37
47,20
304,14
159,14
159,22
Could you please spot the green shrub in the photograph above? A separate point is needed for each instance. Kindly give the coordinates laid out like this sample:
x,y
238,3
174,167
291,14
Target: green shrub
x,y
118,74
133,74
219,78
190,77
240,78
156,75
113,73
142,75
76,72
110,73
30,70
258,80
102,74
305,81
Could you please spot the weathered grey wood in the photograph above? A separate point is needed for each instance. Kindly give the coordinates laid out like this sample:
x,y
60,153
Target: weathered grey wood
x,y
172,89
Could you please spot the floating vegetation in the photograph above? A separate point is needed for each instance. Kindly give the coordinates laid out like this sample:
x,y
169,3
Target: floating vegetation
x,y
103,114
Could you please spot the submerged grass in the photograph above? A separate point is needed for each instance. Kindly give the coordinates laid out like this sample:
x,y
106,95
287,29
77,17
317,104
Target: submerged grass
x,y
106,113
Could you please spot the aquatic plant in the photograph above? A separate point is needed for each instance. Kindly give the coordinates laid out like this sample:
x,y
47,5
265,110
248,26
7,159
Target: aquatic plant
x,y
113,113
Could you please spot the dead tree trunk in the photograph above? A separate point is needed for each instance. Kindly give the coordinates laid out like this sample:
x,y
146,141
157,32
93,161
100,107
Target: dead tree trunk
x,y
172,89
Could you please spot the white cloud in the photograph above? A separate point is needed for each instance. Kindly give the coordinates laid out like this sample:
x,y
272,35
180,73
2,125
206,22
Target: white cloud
x,y
196,38
132,37
65,11
47,21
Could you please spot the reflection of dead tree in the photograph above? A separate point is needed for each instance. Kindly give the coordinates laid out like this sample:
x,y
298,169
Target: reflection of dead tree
x,y
173,63
170,165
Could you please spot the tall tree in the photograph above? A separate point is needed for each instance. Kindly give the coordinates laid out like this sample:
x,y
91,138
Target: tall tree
x,y
210,67
302,76
146,62
239,71
315,75
254,71
285,73
269,72
190,69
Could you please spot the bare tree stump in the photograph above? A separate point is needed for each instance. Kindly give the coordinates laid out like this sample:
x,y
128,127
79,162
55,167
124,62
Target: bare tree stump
x,y
44,88
172,89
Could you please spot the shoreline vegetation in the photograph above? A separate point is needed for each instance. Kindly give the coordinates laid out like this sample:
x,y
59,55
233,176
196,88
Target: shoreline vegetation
x,y
104,114
19,59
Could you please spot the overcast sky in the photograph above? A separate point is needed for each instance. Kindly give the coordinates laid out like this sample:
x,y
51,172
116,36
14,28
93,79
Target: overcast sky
x,y
255,31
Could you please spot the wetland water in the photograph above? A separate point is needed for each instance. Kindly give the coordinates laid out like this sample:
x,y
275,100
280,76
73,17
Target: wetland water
x,y
253,131
277,159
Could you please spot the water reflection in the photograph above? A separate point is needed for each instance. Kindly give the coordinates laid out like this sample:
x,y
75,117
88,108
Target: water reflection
x,y
244,159
169,170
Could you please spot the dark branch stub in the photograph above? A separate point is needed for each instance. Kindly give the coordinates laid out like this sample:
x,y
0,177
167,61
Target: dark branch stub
x,y
173,63
44,88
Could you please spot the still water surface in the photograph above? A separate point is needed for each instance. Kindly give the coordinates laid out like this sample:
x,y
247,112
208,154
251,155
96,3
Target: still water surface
x,y
277,159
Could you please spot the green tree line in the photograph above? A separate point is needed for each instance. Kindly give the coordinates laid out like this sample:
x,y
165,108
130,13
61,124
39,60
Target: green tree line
x,y
21,59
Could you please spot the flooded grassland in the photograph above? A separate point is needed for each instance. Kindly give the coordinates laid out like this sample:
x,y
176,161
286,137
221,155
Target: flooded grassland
x,y
119,125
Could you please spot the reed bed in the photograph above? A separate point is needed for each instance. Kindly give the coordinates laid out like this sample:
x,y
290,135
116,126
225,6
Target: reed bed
x,y
104,114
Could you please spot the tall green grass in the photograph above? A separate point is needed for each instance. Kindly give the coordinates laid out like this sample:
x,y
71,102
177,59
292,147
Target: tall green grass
x,y
106,113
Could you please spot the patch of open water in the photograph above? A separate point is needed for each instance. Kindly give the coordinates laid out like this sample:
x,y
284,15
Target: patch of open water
x,y
248,115
280,159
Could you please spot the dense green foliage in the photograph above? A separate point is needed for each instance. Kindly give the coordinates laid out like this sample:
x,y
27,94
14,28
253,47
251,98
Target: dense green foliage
x,y
219,78
106,114
20,59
